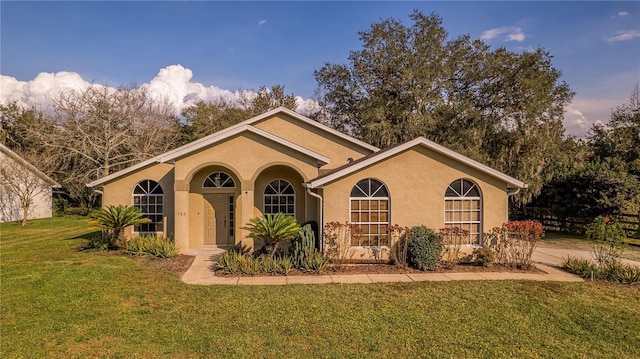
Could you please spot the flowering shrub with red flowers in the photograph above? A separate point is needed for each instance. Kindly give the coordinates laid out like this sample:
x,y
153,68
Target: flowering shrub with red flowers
x,y
607,238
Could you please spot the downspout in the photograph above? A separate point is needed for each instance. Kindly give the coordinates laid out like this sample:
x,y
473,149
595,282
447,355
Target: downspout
x,y
320,225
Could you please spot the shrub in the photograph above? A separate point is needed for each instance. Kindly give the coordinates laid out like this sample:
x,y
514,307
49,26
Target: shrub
x,y
153,246
236,263
613,272
452,238
114,219
484,256
337,241
272,229
99,242
515,242
239,248
607,246
424,249
303,252
399,239
60,206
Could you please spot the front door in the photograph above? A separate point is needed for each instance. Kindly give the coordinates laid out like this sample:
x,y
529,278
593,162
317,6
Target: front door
x,y
218,222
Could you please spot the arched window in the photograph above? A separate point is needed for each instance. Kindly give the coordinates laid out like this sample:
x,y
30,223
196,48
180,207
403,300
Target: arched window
x,y
369,209
148,196
218,180
463,208
279,197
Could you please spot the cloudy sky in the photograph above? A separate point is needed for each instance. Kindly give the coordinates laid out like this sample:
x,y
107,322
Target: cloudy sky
x,y
190,51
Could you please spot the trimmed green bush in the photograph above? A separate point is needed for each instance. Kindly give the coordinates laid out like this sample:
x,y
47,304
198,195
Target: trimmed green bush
x,y
425,248
484,256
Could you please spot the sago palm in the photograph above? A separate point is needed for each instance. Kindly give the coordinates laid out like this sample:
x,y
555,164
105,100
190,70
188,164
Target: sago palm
x,y
114,219
272,229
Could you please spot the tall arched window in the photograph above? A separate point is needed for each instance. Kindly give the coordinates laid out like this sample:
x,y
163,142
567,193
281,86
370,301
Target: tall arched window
x,y
148,196
369,209
279,197
463,208
218,180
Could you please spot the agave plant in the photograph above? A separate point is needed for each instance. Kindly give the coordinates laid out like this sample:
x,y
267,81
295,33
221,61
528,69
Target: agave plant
x,y
272,229
114,219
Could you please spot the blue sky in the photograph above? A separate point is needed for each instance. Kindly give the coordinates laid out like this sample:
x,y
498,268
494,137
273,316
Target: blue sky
x,y
242,45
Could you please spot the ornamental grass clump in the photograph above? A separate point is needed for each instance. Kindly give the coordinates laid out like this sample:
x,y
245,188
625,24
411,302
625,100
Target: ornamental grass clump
x,y
152,245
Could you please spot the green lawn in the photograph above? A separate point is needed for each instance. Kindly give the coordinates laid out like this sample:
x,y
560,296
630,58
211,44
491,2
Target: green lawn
x,y
59,302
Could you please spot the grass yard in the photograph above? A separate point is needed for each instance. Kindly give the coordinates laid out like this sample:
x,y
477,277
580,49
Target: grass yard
x,y
59,302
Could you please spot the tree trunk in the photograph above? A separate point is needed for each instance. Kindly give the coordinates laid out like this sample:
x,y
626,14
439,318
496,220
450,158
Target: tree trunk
x,y
25,213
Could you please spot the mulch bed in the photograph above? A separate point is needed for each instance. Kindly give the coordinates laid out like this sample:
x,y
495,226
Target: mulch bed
x,y
181,263
393,269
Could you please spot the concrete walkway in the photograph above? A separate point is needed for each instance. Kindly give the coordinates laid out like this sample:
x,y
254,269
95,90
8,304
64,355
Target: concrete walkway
x,y
546,259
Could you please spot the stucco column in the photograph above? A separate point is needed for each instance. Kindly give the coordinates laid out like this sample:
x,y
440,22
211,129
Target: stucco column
x,y
182,220
245,215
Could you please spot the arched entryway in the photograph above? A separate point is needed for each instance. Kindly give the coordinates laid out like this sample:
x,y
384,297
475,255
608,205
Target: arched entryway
x,y
214,194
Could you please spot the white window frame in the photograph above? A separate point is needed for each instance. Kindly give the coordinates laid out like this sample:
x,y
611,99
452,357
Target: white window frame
x,y
218,179
462,198
149,194
279,194
368,197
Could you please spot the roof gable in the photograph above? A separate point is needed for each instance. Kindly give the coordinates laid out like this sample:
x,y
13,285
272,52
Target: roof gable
x,y
7,151
232,130
391,151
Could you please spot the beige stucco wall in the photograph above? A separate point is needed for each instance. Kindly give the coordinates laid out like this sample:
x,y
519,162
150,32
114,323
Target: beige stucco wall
x,y
253,162
417,180
337,149
120,191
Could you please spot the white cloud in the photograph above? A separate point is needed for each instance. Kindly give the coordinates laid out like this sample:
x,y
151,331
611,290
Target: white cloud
x,y
262,22
623,13
583,113
624,36
172,83
511,33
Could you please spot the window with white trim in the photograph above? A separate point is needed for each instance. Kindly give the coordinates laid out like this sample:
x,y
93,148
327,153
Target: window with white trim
x,y
279,197
148,196
463,208
369,210
219,180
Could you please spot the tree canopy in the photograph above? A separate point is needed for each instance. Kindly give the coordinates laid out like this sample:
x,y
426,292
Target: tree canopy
x,y
500,107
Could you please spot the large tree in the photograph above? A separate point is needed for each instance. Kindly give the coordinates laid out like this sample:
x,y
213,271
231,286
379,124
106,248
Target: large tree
x,y
500,107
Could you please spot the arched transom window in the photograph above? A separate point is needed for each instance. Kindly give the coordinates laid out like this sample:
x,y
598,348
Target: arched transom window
x,y
369,209
218,180
463,208
148,196
279,197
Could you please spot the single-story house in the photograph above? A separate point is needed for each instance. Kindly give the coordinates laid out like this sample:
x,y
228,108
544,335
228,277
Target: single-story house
x,y
204,192
21,180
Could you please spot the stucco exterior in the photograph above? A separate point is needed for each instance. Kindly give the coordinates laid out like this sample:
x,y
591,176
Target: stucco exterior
x,y
321,165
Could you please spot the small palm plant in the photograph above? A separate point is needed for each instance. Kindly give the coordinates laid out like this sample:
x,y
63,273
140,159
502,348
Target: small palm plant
x,y
272,229
114,219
